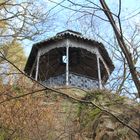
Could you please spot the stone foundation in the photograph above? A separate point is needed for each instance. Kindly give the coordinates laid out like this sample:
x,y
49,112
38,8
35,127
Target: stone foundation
x,y
75,80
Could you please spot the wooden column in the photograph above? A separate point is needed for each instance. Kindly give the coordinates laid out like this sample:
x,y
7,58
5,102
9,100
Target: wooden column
x,y
37,65
105,65
67,63
32,68
99,72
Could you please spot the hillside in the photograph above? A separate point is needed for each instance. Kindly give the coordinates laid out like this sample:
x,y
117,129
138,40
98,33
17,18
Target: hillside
x,y
79,121
51,116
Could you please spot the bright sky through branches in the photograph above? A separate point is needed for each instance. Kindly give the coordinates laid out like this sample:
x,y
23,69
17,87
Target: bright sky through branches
x,y
128,10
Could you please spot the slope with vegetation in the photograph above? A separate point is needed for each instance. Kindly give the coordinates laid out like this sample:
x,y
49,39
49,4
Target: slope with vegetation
x,y
49,115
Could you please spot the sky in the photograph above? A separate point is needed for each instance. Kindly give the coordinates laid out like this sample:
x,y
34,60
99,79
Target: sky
x,y
129,8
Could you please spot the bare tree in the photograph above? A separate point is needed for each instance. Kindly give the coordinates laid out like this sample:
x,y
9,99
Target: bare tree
x,y
20,22
23,19
123,49
120,38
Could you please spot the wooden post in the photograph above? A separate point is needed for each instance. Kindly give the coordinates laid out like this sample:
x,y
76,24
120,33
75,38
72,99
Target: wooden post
x,y
37,65
105,65
67,63
32,68
99,72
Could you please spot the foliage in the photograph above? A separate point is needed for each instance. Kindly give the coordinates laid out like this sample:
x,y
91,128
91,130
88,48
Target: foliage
x,y
23,118
14,53
87,115
96,124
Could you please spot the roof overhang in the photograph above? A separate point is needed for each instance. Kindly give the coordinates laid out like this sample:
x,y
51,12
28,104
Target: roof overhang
x,y
67,35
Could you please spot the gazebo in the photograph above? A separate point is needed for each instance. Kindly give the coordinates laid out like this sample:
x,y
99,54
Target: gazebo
x,y
69,59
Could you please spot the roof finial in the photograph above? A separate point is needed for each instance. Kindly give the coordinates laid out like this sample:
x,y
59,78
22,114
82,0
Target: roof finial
x,y
68,31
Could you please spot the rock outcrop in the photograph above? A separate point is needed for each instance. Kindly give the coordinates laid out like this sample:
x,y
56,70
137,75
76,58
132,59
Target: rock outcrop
x,y
81,121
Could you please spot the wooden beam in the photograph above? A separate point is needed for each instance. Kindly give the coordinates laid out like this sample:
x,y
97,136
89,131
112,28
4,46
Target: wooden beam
x,y
31,73
67,63
99,72
105,65
37,65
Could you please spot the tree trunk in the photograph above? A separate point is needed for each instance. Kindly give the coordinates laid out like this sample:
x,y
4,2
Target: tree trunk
x,y
122,45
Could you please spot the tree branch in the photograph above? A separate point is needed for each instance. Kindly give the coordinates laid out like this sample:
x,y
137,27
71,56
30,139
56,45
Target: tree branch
x,y
122,45
68,96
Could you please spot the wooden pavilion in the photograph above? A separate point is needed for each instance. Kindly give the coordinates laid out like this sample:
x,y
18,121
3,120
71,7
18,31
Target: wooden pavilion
x,y
69,59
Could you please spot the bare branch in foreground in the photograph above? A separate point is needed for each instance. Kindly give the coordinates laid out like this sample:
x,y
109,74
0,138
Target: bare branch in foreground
x,y
68,96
